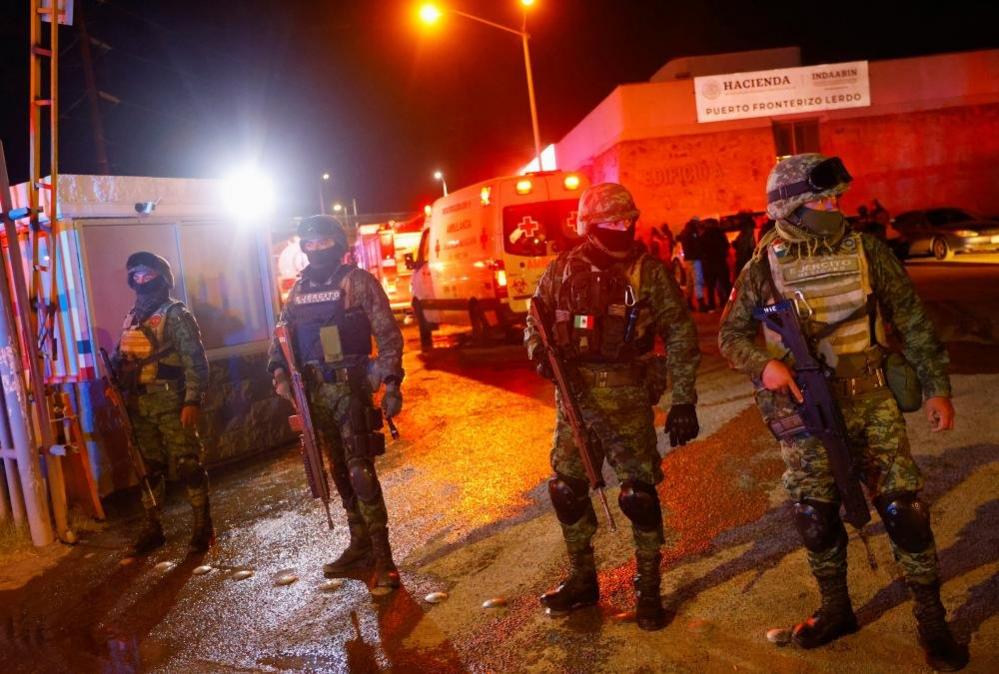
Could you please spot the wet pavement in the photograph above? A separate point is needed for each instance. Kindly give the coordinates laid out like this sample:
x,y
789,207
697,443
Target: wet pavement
x,y
469,517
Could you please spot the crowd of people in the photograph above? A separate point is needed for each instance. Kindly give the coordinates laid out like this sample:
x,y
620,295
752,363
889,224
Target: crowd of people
x,y
706,262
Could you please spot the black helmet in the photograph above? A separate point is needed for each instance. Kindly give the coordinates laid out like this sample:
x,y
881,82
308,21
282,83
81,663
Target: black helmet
x,y
317,227
152,261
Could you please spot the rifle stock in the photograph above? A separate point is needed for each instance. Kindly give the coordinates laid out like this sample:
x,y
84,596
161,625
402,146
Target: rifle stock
x,y
315,471
570,407
114,393
820,412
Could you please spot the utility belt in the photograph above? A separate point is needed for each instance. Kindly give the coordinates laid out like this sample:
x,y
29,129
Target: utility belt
x,y
849,387
159,386
365,420
319,373
612,378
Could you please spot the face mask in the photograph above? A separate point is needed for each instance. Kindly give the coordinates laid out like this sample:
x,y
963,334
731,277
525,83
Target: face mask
x,y
326,258
615,240
157,285
825,224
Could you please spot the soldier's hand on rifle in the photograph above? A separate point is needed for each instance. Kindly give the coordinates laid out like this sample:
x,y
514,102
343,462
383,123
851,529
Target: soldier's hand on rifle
x,y
392,400
681,424
282,385
940,412
189,416
778,377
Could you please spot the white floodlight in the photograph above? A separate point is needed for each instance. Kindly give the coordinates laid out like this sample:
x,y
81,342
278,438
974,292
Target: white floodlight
x,y
248,193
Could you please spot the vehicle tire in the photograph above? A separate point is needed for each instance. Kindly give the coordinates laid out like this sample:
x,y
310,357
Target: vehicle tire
x,y
480,327
941,250
425,328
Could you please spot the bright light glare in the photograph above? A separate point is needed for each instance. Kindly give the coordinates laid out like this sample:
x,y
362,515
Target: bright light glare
x,y
427,210
438,175
571,181
326,176
430,13
248,193
527,3
337,207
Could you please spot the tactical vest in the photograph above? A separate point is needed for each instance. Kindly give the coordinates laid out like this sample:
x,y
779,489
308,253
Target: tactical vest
x,y
326,330
835,288
599,316
143,344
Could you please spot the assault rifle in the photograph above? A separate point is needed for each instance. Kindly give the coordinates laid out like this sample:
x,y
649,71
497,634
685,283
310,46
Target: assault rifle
x,y
570,407
114,393
315,471
820,412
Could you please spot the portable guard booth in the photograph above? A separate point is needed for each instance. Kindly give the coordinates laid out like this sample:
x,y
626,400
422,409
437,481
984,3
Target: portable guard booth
x,y
222,273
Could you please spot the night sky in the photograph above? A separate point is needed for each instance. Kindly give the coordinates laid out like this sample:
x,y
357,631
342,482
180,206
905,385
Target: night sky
x,y
360,89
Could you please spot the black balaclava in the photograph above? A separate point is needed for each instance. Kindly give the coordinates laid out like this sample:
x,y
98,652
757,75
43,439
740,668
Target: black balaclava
x,y
151,295
614,240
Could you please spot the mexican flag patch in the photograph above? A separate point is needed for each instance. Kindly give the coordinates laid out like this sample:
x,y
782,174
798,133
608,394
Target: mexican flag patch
x,y
584,322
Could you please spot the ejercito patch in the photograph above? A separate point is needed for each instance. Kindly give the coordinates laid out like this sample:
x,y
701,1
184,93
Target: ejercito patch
x,y
317,298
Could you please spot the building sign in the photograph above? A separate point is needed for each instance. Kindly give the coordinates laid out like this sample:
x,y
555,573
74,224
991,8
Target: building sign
x,y
784,91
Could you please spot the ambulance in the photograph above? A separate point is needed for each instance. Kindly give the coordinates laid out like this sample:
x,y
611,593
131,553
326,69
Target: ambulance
x,y
388,250
485,246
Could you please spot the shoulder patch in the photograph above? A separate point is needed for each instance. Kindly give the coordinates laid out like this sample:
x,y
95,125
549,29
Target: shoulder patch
x,y
780,247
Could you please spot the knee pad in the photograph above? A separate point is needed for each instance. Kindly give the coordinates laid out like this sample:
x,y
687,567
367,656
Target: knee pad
x,y
907,521
639,502
819,524
364,480
191,472
570,497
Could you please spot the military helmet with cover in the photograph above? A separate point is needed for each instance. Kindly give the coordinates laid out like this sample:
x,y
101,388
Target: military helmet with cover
x,y
604,202
801,178
318,227
145,260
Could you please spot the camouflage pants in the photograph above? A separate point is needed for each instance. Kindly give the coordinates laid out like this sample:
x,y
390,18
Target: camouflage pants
x,y
331,416
166,446
880,448
621,418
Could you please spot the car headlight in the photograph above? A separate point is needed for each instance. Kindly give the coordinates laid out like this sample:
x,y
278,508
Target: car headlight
x,y
966,232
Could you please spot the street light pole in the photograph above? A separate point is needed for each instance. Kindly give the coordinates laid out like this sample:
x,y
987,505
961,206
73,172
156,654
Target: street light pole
x,y
439,175
322,193
524,36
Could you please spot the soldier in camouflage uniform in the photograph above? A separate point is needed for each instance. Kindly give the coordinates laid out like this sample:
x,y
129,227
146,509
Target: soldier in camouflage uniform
x,y
333,310
161,363
593,290
847,286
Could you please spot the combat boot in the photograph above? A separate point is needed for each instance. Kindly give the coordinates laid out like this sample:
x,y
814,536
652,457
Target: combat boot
x,y
943,653
385,575
151,536
578,590
202,530
832,620
649,611
357,555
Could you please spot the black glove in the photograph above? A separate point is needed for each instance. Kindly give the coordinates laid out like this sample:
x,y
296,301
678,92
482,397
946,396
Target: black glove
x,y
541,365
392,400
681,424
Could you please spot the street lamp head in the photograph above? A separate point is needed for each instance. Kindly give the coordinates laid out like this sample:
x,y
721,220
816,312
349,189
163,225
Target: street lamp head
x,y
527,3
326,176
430,13
438,175
337,207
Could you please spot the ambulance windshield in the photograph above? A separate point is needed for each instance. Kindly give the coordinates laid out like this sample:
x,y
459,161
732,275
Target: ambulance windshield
x,y
541,228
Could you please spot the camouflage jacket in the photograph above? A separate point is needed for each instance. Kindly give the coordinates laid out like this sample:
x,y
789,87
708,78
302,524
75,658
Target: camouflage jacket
x,y
896,296
360,289
669,317
182,333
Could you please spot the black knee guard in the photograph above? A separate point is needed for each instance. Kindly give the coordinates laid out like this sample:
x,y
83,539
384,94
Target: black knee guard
x,y
570,497
364,480
819,524
191,472
907,520
639,501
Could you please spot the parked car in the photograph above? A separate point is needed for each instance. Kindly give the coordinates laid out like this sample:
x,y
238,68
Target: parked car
x,y
942,232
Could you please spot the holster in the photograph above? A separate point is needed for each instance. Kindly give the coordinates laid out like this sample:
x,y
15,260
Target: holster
x,y
365,420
